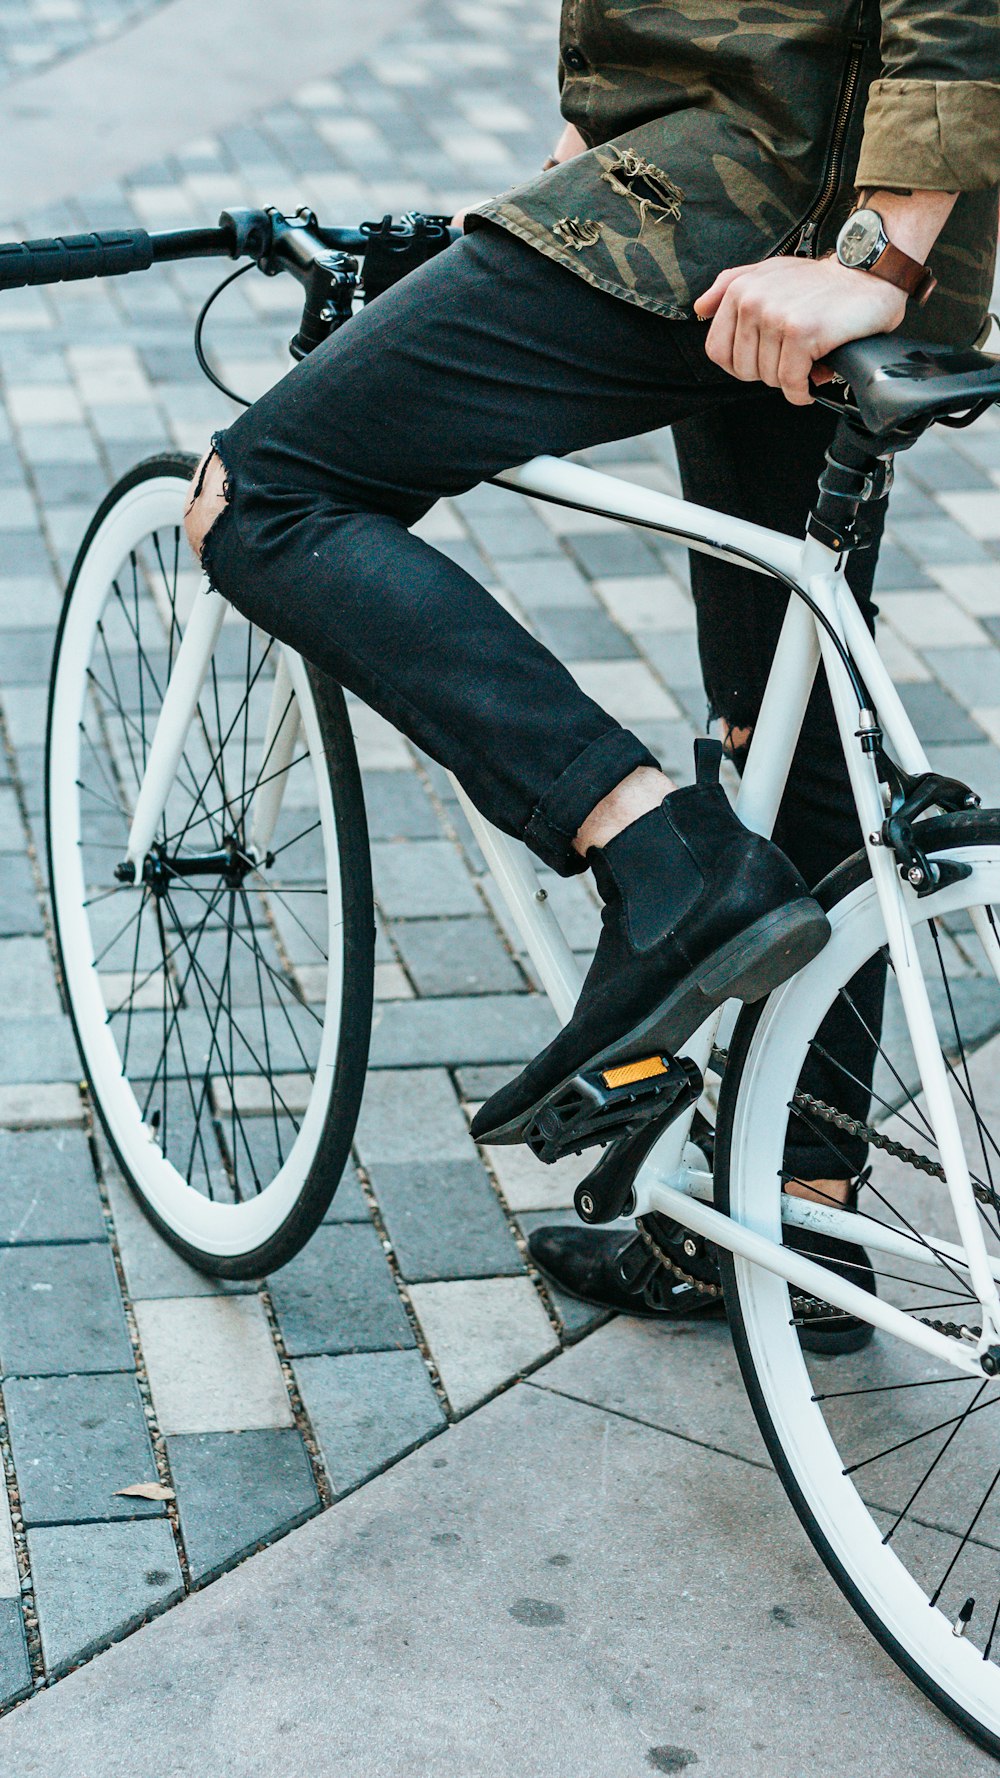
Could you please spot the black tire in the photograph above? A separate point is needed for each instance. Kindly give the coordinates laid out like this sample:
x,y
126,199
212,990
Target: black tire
x,y
332,1147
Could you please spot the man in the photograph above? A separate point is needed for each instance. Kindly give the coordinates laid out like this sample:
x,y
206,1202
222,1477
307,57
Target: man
x,y
675,266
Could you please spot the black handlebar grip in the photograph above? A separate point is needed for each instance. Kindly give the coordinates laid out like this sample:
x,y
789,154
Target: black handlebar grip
x,y
68,257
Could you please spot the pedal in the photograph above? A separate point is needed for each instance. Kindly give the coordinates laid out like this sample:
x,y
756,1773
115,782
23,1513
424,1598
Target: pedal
x,y
602,1104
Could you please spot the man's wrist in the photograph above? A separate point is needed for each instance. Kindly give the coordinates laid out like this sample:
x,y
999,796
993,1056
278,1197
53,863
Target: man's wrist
x,y
912,220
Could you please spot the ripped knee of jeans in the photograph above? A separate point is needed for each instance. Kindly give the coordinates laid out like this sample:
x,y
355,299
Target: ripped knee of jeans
x,y
736,742
210,497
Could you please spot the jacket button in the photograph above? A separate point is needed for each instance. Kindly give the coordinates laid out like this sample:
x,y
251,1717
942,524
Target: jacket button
x,y
574,59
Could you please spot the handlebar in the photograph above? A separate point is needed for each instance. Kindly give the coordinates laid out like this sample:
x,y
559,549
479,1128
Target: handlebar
x,y
278,243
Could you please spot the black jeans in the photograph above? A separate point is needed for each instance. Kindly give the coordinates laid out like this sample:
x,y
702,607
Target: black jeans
x,y
485,357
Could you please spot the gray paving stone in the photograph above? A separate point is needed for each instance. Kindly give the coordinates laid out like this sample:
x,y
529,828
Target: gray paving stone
x,y
212,1364
457,956
236,1490
976,763
15,1669
19,910
449,1031
398,807
972,675
339,1296
348,1200
673,654
414,877
60,1312
938,538
936,715
444,1221
75,1441
554,581
38,1049
410,1114
26,656
48,1191
367,1411
94,1582
151,1266
603,554
576,1318
576,634
896,569
27,978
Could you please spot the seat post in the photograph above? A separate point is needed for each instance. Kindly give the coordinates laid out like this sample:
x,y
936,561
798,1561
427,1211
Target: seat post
x,y
857,472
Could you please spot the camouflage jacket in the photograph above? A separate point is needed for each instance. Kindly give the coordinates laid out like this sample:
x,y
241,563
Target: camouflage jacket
x,y
723,131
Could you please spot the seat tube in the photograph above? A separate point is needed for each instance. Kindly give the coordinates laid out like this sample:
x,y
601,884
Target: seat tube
x,y
894,901
782,714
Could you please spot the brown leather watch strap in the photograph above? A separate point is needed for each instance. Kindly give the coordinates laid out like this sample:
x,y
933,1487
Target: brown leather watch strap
x,y
898,268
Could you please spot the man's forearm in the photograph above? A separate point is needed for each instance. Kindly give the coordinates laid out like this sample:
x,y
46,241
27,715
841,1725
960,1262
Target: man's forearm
x,y
913,220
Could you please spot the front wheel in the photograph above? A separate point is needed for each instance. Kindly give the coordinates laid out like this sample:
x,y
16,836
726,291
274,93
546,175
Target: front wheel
x,y
222,1001
891,1459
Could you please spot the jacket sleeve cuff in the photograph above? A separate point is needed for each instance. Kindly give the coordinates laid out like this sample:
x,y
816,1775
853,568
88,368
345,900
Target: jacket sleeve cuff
x,y
931,135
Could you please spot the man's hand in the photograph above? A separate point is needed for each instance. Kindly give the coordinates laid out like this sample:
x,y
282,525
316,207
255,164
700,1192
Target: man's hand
x,y
774,321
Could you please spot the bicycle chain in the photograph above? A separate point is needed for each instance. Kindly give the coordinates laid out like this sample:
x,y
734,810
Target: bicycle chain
x,y
851,1126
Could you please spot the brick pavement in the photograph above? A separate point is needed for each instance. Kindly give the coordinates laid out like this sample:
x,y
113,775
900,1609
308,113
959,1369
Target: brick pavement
x,y
36,33
414,1302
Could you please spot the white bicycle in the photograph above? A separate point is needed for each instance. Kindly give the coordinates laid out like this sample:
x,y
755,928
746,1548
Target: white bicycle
x,y
212,903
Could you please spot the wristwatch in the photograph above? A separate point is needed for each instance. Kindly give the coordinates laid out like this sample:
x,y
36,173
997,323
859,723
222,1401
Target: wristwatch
x,y
864,246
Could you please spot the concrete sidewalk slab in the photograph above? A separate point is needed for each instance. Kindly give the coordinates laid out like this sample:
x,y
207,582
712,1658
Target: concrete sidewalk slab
x,y
548,1587
184,69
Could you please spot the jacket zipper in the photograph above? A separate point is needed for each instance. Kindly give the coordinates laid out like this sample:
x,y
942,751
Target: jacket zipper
x,y
800,239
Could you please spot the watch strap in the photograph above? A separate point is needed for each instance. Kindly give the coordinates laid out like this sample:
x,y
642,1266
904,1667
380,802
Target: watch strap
x,y
899,268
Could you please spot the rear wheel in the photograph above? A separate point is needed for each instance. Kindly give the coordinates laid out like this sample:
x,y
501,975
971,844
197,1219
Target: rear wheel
x,y
890,1457
222,1003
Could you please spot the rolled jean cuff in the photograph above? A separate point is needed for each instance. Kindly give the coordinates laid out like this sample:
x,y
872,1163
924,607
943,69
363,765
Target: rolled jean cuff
x,y
564,808
843,1158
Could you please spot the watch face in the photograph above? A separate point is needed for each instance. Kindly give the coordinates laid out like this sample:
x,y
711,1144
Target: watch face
x,y
859,238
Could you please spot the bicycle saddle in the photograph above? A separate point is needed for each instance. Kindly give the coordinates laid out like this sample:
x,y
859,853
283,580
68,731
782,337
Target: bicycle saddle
x,y
896,382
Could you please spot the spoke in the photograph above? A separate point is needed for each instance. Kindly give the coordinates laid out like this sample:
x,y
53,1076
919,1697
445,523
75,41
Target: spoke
x,y
863,1022
917,1436
257,785
281,981
953,1434
971,1527
888,1388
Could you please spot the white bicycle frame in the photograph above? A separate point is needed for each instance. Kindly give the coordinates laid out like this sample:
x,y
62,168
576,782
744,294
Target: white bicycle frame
x,y
665,1183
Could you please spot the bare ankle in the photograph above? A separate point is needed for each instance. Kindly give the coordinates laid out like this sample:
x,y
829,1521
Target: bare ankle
x,y
820,1191
643,790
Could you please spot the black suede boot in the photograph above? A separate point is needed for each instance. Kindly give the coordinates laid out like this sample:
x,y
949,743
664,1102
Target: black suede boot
x,y
616,1269
698,910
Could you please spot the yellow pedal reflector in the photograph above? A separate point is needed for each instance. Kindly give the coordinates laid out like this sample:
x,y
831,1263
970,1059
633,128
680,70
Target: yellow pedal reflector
x,y
630,1072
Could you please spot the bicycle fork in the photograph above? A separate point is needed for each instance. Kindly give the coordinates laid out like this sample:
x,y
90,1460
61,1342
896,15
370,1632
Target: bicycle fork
x,y
177,712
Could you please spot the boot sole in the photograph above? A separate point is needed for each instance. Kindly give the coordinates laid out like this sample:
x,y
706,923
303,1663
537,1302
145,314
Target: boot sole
x,y
746,968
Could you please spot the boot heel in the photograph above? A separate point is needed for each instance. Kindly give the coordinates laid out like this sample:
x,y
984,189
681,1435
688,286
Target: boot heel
x,y
767,953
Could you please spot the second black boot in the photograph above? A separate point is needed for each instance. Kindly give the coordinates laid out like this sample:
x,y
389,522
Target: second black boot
x,y
697,910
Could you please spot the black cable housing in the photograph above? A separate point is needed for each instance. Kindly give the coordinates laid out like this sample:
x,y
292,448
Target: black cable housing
x,y
199,350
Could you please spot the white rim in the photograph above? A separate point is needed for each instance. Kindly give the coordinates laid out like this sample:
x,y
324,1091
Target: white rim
x,y
218,1229
767,1082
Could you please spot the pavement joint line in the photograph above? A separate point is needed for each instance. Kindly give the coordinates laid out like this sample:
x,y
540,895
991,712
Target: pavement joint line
x,y
389,1251
30,1615
156,1437
300,1417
